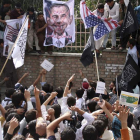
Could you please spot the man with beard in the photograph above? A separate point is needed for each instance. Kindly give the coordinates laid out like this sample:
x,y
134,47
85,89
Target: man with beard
x,y
58,20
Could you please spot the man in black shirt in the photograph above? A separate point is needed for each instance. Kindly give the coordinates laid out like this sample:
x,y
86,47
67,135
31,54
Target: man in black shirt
x,y
6,3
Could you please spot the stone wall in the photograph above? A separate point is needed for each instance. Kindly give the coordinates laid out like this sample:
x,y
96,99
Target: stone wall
x,y
110,64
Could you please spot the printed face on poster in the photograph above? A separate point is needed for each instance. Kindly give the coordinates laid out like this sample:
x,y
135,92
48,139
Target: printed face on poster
x,y
47,65
100,87
129,99
59,16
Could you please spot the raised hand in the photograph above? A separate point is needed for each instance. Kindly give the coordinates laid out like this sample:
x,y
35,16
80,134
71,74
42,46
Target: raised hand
x,y
74,108
102,104
51,111
27,95
123,115
14,123
36,91
53,94
71,78
67,116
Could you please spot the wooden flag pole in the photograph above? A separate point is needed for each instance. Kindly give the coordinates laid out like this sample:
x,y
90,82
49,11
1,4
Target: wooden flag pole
x,y
13,47
96,64
117,87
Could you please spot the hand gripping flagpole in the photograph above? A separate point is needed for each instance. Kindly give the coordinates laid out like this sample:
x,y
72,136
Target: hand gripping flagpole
x,y
13,46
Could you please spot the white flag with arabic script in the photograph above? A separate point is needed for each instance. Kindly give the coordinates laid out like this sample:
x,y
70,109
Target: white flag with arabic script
x,y
20,45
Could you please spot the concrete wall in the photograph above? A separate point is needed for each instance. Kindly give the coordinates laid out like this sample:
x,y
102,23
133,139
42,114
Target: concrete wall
x,y
110,64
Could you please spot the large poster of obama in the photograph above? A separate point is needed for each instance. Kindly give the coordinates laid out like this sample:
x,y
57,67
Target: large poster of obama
x,y
59,16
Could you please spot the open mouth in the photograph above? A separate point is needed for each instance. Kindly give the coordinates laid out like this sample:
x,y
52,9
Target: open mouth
x,y
59,27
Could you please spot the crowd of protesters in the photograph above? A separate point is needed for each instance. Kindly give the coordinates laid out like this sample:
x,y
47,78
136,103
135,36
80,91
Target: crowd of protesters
x,y
115,10
29,113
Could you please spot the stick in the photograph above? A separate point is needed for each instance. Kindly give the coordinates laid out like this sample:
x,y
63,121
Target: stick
x,y
96,64
13,46
117,87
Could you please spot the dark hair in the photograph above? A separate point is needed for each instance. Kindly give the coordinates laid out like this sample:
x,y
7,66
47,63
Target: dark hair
x,y
30,115
9,92
100,6
57,110
47,88
108,0
9,106
93,84
6,126
46,97
102,80
40,13
71,101
100,127
32,129
17,97
22,88
68,134
9,111
1,41
6,9
103,118
18,137
30,9
6,2
92,105
90,93
11,115
89,133
60,92
59,5
18,5
79,92
113,82
130,120
132,41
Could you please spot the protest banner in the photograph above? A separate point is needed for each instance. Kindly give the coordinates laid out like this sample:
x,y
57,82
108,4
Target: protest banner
x,y
100,87
129,99
47,65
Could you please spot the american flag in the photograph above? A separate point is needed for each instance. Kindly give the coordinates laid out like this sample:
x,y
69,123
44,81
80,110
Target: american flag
x,y
12,33
91,20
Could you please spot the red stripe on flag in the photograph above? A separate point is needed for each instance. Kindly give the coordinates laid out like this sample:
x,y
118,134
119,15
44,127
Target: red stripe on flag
x,y
11,28
9,38
87,11
109,24
115,23
10,31
83,10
